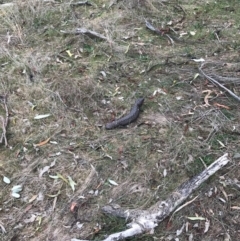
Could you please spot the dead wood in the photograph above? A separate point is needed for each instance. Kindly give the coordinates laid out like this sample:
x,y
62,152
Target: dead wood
x,y
215,82
3,99
146,220
166,33
226,80
85,31
81,3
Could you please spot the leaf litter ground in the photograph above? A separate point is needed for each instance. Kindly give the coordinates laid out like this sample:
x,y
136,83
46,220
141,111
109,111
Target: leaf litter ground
x,y
68,165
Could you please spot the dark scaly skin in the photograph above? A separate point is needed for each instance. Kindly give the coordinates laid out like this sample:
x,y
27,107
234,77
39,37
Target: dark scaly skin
x,y
127,119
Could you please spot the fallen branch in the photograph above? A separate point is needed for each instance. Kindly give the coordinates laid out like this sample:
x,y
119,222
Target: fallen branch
x,y
146,220
81,3
226,80
217,83
166,32
3,98
151,27
85,31
162,32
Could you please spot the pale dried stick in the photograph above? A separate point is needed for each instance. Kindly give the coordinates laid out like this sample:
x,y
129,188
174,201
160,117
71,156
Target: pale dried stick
x,y
217,83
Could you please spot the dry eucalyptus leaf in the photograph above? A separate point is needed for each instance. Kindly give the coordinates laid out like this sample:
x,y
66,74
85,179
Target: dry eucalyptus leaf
x,y
112,182
17,189
32,198
72,183
196,218
2,228
53,177
16,195
38,117
207,225
198,60
165,172
6,180
43,170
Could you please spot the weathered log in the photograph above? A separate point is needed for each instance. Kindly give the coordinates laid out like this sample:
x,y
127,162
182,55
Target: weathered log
x,y
146,220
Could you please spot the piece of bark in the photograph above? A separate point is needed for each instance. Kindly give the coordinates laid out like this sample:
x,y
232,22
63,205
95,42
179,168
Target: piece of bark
x,y
85,31
146,220
81,3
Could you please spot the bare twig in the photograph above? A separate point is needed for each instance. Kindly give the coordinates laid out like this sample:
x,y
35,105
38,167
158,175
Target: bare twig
x,y
226,80
147,220
217,83
167,33
170,39
150,26
4,131
85,31
4,120
81,3
181,207
160,32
